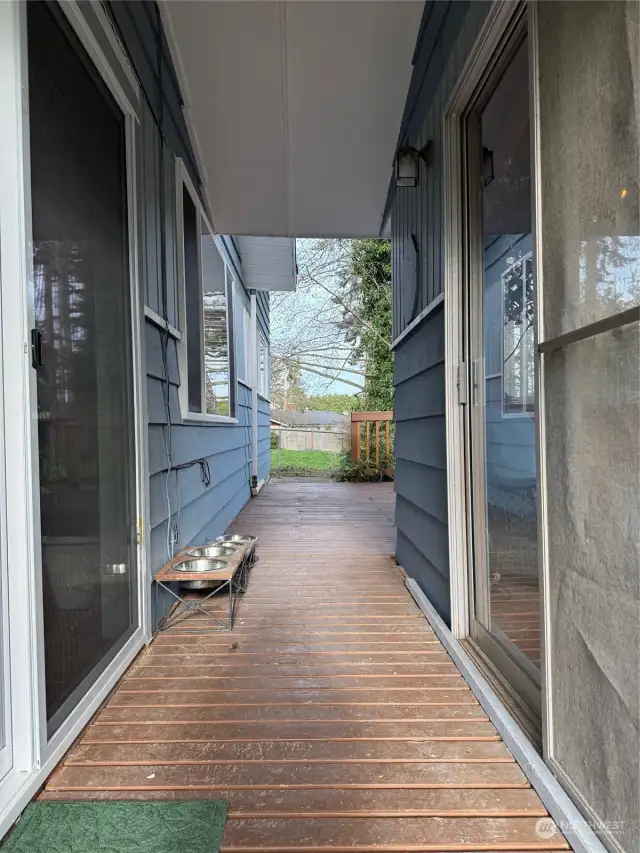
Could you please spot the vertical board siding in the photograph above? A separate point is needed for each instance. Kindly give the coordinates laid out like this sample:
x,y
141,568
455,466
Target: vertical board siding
x,y
262,310
448,33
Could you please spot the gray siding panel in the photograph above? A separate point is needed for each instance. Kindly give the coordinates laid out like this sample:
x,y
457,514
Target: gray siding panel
x,y
426,533
423,486
435,586
421,461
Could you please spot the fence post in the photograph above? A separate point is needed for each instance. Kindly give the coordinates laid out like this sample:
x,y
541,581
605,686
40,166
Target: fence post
x,y
280,448
355,439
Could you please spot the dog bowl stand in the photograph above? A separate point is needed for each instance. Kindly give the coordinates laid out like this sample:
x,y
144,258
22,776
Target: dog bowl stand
x,y
233,580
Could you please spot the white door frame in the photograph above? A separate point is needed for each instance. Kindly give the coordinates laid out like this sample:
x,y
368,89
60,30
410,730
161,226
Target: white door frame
x,y
34,757
496,27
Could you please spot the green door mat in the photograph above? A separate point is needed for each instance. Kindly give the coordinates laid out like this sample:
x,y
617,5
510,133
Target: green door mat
x,y
119,827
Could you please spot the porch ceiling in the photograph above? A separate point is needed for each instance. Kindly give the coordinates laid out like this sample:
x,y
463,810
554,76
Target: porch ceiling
x,y
294,108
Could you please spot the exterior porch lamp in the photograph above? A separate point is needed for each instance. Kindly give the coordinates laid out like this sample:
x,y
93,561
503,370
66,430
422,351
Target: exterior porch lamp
x,y
408,163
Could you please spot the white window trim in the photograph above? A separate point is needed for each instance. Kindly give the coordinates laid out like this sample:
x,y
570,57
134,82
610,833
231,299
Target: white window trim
x,y
523,413
244,376
183,179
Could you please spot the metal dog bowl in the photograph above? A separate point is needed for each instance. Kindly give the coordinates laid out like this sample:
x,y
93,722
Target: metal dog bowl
x,y
199,564
240,538
221,550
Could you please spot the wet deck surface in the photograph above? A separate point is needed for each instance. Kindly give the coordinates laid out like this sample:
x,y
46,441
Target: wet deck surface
x,y
337,722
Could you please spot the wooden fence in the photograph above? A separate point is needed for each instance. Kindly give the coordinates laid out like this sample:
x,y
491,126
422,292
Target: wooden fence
x,y
371,440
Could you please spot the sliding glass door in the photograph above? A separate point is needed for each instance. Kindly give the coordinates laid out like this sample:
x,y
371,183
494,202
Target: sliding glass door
x,y
82,352
501,341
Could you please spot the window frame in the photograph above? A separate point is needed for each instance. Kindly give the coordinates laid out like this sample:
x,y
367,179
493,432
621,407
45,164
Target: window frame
x,y
528,353
184,182
243,333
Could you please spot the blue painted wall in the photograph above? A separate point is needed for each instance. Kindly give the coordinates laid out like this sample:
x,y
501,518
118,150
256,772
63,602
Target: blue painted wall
x,y
183,509
446,36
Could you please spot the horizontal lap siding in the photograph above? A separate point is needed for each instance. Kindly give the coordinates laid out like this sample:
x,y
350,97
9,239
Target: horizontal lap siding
x,y
197,512
181,507
420,447
446,39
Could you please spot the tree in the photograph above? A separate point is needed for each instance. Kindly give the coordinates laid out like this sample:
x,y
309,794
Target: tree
x,y
337,326
367,319
333,403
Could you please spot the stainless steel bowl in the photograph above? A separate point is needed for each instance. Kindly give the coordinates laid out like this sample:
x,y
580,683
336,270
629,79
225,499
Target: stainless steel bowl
x,y
199,564
240,538
221,550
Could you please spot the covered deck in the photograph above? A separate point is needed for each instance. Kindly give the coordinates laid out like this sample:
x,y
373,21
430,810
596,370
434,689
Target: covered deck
x,y
331,719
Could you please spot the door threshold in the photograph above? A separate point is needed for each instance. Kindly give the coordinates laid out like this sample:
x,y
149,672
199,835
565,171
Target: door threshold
x,y
524,715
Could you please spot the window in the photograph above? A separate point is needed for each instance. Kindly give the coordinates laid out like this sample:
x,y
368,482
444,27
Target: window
x,y
263,367
518,355
207,312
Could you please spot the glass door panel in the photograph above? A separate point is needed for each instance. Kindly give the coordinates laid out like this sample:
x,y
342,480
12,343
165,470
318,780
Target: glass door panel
x,y
506,601
82,350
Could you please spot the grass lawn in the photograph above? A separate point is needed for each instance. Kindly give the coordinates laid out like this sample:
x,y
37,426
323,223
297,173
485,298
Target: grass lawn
x,y
299,461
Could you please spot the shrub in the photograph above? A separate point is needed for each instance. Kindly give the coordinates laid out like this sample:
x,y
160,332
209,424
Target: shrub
x,y
352,471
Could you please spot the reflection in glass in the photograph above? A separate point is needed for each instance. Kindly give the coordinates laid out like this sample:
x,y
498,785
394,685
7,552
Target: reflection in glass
x,y
216,333
82,311
509,368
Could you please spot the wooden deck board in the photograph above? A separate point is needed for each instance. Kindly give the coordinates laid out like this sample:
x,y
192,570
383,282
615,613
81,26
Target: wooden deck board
x,y
331,719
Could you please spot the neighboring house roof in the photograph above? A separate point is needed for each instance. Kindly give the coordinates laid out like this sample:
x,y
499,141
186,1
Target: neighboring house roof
x,y
284,417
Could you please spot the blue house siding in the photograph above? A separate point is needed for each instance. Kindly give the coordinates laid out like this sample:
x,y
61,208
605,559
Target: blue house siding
x,y
447,34
420,447
139,29
182,509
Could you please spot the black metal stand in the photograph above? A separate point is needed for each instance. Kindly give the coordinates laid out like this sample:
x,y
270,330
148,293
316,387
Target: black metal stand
x,y
235,586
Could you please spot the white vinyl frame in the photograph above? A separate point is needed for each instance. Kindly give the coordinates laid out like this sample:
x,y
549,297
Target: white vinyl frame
x,y
541,456
183,179
495,27
34,755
